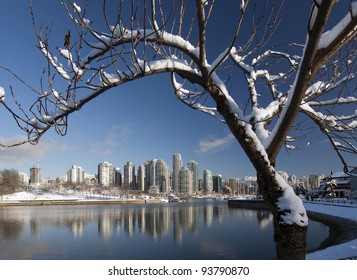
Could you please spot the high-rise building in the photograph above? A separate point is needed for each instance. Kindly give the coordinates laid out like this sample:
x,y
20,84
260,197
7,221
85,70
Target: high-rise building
x,y
315,180
141,178
207,181
152,173
105,174
284,175
177,164
304,182
129,176
35,175
217,183
292,180
162,179
118,177
193,167
251,185
75,175
185,180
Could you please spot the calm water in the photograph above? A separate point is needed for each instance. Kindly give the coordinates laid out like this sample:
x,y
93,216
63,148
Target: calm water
x,y
203,229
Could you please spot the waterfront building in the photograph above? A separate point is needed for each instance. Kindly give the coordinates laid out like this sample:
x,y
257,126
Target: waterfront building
x,y
193,167
141,178
250,185
162,179
341,181
75,175
284,175
90,179
61,179
292,180
35,176
217,183
185,180
118,177
315,181
147,178
152,173
177,164
207,181
304,182
233,186
23,179
105,174
129,176
150,180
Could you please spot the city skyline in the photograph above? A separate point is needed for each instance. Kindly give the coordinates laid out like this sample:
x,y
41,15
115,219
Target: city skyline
x,y
143,172
138,121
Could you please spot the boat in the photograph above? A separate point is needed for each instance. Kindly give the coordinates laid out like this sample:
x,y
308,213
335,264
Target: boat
x,y
173,198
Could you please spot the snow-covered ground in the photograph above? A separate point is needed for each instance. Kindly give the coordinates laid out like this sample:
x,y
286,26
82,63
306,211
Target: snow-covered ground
x,y
63,195
38,196
342,251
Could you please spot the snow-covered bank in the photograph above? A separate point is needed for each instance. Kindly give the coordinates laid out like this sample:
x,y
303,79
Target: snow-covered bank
x,y
342,251
33,198
28,196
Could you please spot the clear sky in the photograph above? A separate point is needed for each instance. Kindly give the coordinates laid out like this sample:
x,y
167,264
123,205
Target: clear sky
x,y
136,122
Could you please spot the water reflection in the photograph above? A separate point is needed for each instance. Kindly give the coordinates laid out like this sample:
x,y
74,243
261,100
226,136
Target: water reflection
x,y
207,229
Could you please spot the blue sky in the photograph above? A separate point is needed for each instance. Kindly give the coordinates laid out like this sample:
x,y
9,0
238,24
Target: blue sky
x,y
136,122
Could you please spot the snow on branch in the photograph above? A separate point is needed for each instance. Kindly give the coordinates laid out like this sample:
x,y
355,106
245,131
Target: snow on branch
x,y
54,61
333,34
192,98
159,38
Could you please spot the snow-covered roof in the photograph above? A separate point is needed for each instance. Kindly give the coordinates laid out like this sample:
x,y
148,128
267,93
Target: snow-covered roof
x,y
340,174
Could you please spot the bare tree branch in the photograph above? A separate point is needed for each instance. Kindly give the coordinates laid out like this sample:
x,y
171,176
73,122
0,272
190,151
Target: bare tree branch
x,y
281,81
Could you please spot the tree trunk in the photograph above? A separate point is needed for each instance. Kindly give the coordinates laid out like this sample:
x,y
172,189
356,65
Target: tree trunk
x,y
290,239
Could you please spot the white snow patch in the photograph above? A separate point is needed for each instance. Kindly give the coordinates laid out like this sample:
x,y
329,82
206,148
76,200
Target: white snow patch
x,y
2,93
29,196
77,8
341,251
329,36
354,8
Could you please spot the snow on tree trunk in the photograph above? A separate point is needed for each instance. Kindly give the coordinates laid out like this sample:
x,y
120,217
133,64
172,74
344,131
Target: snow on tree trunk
x,y
289,216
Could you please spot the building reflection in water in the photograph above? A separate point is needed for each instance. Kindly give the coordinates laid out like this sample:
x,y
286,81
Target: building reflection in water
x,y
156,221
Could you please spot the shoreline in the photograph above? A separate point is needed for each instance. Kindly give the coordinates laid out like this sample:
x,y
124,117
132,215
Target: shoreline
x,y
77,202
341,230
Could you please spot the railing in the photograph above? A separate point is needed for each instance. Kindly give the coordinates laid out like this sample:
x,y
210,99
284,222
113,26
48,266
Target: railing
x,y
336,201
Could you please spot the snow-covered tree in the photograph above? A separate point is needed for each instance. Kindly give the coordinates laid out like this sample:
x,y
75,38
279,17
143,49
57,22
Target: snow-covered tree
x,y
313,79
329,189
